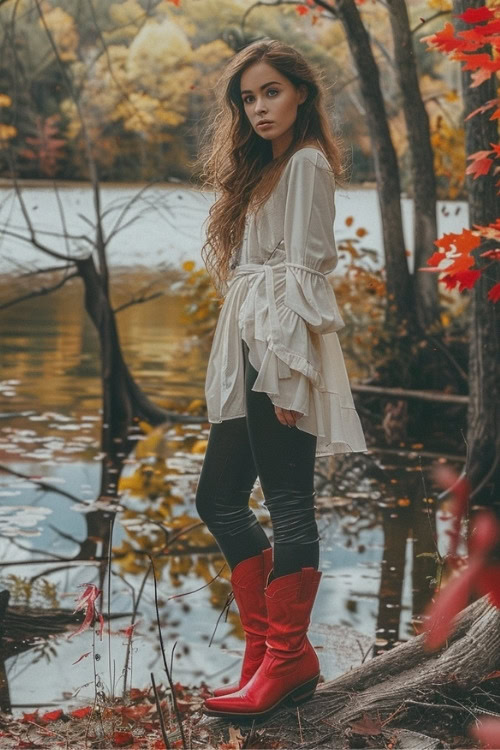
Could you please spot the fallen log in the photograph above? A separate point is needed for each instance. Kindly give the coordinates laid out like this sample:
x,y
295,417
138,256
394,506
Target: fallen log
x,y
389,684
440,396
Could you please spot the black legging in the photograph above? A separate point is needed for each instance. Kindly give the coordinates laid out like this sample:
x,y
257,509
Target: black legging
x,y
283,458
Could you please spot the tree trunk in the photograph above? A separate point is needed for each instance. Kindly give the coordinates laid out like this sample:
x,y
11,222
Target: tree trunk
x,y
399,287
483,417
389,683
123,405
425,291
122,399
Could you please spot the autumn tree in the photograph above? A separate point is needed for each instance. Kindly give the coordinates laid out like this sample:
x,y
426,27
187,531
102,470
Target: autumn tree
x,y
125,405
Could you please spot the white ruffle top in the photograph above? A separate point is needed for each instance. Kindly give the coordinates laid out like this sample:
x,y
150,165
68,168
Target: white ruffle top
x,y
280,301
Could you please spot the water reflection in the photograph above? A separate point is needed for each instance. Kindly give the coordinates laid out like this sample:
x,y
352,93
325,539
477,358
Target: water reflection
x,y
50,444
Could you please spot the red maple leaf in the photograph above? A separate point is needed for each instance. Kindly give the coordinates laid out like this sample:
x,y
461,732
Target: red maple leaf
x,y
467,279
464,242
476,61
480,166
476,15
444,40
436,258
484,108
480,76
494,293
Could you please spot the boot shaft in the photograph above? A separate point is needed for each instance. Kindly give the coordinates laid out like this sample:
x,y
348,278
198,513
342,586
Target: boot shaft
x,y
289,602
248,581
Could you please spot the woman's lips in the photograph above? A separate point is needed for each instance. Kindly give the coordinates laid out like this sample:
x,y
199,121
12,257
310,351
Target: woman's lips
x,y
265,125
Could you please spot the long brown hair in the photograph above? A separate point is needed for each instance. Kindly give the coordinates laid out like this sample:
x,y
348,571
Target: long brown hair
x,y
238,165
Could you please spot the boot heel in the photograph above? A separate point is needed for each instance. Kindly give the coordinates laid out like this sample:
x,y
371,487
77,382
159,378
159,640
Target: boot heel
x,y
302,693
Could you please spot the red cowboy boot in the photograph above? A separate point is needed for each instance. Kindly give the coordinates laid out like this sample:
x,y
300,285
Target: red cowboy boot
x,y
289,672
248,581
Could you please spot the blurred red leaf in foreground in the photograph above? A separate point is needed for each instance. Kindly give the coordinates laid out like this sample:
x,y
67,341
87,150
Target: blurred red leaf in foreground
x,y
488,732
479,575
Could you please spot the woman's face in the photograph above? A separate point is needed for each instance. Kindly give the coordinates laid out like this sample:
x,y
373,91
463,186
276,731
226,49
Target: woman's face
x,y
268,95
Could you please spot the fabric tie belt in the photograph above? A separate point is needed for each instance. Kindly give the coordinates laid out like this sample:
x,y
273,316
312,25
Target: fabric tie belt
x,y
256,269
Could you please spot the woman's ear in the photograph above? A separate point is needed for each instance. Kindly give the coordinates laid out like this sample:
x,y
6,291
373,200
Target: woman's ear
x,y
303,93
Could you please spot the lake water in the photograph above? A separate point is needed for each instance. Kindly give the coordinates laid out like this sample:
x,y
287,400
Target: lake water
x,y
164,224
370,509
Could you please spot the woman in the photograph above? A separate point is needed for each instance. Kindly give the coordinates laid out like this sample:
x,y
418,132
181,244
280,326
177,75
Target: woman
x,y
277,389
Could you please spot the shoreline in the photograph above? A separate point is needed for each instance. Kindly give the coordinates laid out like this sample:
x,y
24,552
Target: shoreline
x,y
173,183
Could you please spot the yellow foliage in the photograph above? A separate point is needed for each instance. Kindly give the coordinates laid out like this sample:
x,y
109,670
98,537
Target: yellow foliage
x,y
445,320
148,481
6,132
5,100
158,49
127,14
63,29
128,560
448,144
200,446
152,445
212,54
186,25
439,4
195,406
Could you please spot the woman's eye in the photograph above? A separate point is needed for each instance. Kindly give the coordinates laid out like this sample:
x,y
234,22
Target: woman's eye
x,y
268,90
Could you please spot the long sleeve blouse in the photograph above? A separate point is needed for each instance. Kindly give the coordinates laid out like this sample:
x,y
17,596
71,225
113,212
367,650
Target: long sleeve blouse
x,y
279,300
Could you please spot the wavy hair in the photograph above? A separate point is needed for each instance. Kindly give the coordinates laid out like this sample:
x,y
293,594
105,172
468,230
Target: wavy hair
x,y
238,165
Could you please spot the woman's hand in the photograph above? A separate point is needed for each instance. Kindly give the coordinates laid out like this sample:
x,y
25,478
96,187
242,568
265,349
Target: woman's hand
x,y
287,416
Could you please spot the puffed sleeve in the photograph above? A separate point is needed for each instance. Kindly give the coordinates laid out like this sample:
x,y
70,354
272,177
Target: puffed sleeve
x,y
310,243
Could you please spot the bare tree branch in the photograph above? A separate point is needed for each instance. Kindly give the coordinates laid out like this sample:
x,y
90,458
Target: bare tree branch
x,y
425,21
38,292
52,269
128,206
32,240
137,301
60,235
100,242
42,485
